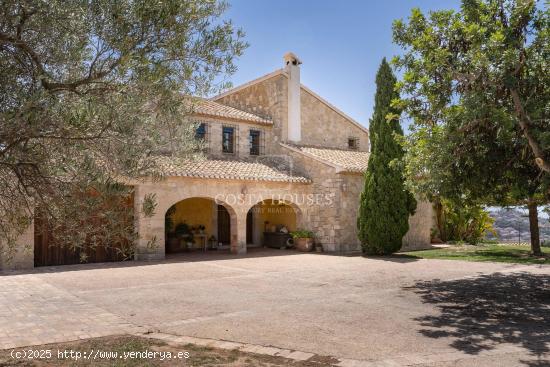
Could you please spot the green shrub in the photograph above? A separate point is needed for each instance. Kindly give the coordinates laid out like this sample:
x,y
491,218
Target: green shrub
x,y
302,233
184,231
464,223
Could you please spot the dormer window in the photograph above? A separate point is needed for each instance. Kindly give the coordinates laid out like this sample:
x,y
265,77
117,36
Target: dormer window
x,y
353,143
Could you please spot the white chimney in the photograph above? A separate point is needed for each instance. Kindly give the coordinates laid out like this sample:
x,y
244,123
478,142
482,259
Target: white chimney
x,y
292,68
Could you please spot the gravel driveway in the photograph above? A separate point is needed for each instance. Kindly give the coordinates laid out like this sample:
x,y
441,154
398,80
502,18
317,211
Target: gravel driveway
x,y
390,311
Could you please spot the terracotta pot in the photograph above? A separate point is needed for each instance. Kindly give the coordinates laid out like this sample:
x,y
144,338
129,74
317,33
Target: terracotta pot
x,y
304,244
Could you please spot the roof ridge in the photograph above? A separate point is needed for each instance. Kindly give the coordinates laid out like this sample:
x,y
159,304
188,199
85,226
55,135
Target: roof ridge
x,y
302,86
248,84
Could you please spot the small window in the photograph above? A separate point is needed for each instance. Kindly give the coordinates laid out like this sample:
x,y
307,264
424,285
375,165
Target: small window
x,y
254,138
353,143
200,133
228,139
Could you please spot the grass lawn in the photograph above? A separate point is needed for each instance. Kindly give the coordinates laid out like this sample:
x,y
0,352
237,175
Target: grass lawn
x,y
505,253
197,355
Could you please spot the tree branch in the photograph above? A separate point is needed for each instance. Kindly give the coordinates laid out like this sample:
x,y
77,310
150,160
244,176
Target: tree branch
x,y
23,46
525,124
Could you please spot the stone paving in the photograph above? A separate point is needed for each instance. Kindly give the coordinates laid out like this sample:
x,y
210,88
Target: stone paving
x,y
34,312
363,312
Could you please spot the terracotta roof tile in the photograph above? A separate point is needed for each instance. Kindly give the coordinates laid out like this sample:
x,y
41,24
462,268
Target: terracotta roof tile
x,y
215,109
225,169
347,160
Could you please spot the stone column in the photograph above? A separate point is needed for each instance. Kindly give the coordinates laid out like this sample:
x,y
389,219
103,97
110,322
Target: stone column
x,y
258,228
150,243
214,222
238,232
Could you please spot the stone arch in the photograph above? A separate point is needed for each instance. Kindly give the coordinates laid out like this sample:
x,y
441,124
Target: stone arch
x,y
206,204
271,215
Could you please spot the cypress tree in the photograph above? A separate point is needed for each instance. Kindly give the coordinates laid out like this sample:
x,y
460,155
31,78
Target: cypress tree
x,y
385,203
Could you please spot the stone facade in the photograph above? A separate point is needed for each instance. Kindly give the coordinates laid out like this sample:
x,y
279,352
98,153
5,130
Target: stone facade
x,y
324,219
325,196
324,125
237,196
22,256
420,226
265,98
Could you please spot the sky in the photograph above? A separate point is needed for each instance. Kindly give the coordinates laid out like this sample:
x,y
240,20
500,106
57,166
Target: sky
x,y
340,42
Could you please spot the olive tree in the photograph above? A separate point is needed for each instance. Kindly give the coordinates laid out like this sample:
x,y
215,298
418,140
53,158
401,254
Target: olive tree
x,y
91,91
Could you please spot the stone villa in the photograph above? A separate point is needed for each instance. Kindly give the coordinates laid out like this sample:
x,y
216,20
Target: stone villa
x,y
278,157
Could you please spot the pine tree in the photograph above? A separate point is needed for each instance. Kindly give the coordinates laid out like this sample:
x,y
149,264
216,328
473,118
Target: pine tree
x,y
385,203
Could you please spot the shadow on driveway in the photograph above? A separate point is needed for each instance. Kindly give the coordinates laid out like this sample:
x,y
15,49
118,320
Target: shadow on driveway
x,y
184,257
395,258
481,312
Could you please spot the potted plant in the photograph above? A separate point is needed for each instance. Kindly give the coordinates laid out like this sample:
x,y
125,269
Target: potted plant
x,y
201,228
303,240
184,233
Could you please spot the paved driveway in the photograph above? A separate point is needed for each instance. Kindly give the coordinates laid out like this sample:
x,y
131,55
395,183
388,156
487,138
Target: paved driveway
x,y
392,311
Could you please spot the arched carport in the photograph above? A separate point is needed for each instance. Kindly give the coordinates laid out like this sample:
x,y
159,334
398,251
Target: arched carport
x,y
238,197
271,216
198,223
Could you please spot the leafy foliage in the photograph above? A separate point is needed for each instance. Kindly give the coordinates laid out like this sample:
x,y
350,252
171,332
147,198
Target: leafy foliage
x,y
476,85
464,223
302,233
92,91
385,203
183,230
99,216
485,66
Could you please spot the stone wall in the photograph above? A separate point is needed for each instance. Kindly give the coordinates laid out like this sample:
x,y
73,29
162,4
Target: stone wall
x,y
332,215
323,218
267,98
420,225
351,195
22,256
336,225
214,143
323,126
